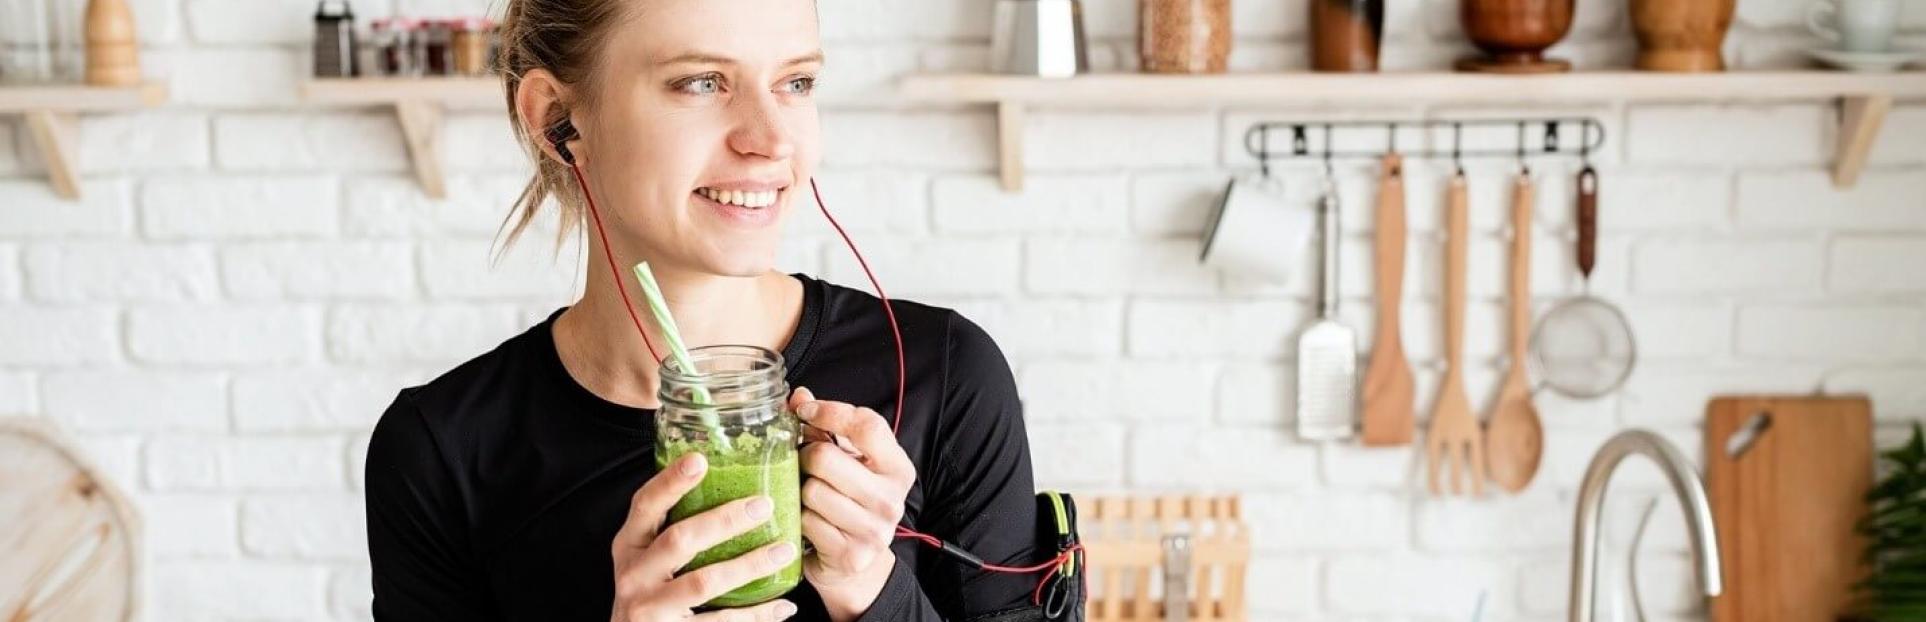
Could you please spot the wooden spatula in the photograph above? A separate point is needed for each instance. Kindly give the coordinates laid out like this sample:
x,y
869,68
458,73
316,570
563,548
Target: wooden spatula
x,y
1455,438
1388,387
1513,433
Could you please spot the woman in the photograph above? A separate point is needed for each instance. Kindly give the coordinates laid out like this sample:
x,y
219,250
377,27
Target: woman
x,y
521,484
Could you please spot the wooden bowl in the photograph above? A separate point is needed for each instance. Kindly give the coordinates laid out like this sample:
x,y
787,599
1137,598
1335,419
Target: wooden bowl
x,y
1515,33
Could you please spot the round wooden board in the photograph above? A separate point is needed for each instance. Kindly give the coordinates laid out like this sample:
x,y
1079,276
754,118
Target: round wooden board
x,y
69,541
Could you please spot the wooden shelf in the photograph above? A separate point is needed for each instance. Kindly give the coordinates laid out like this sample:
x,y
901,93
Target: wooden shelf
x,y
1863,98
418,104
52,113
451,92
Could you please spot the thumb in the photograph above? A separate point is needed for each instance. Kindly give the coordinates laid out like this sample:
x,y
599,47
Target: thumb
x,y
800,396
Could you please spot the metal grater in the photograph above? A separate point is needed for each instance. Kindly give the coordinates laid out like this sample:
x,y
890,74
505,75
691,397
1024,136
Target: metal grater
x,y
1327,351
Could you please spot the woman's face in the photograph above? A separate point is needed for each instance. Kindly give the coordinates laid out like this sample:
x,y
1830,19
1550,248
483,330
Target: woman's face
x,y
703,130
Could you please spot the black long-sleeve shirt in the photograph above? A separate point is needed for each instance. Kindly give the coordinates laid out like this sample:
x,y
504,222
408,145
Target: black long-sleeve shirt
x,y
493,491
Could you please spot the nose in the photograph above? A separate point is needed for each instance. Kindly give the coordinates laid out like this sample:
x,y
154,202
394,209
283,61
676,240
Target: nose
x,y
760,129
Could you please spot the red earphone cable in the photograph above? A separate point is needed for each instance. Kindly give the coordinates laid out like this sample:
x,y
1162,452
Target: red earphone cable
x,y
608,252
888,310
896,332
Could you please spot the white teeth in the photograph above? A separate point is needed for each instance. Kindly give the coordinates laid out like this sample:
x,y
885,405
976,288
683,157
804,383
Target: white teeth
x,y
750,199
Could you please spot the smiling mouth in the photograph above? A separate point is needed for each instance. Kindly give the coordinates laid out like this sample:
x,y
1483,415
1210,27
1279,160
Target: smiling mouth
x,y
757,199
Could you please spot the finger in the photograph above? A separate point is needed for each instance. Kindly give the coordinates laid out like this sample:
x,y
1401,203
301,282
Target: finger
x,y
800,396
827,539
829,465
767,612
704,584
813,434
680,542
868,431
843,512
651,503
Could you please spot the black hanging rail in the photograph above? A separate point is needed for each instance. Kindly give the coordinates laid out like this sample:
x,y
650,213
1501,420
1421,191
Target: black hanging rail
x,y
1258,141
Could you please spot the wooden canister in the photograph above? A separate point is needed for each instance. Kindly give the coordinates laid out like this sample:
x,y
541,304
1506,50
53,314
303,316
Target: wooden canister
x,y
113,55
1185,36
1346,34
1681,35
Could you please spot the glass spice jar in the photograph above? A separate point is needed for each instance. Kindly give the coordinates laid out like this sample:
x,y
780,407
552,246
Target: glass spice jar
x,y
386,40
412,41
437,47
730,404
470,42
1185,36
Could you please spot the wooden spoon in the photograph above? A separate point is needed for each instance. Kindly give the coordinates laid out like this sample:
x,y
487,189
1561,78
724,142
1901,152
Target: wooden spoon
x,y
1455,436
1388,387
1513,435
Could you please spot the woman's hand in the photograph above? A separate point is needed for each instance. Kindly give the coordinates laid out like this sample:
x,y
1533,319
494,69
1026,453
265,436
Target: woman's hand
x,y
852,501
647,555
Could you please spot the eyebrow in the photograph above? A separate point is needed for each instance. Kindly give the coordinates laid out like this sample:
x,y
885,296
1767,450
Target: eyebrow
x,y
703,58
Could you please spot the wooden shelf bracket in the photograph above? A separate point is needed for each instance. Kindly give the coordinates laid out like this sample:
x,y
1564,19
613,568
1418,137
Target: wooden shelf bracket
x,y
1859,119
55,134
1009,133
421,128
52,113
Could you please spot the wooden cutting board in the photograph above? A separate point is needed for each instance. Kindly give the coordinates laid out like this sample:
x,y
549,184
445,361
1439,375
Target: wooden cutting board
x,y
69,548
1785,506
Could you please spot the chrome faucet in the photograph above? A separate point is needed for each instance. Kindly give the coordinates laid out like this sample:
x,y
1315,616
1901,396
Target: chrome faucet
x,y
1591,496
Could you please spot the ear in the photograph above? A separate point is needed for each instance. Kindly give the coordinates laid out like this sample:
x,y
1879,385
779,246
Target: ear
x,y
540,101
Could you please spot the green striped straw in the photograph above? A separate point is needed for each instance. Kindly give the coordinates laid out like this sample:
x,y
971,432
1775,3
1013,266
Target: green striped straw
x,y
653,293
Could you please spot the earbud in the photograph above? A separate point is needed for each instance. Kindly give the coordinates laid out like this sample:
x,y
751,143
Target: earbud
x,y
559,134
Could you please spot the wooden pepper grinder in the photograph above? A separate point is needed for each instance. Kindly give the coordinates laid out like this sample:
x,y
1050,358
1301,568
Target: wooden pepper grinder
x,y
113,56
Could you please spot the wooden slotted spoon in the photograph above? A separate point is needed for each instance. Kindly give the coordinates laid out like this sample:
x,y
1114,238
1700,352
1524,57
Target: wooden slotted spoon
x,y
1513,432
1388,386
1455,436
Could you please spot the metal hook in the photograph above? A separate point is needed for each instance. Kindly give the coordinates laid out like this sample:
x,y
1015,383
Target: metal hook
x,y
1551,136
1391,131
1523,168
1457,147
1585,143
1300,144
1264,150
1330,173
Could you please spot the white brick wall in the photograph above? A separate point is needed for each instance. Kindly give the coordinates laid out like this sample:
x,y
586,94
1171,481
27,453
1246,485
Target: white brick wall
x,y
249,281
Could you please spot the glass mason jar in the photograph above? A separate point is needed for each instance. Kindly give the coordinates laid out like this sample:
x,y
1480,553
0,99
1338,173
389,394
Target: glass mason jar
x,y
737,392
1184,36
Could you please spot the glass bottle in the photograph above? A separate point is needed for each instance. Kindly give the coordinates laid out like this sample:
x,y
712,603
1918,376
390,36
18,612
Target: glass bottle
x,y
732,408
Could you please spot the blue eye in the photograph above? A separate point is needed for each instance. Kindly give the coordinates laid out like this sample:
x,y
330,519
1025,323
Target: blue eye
x,y
802,85
701,85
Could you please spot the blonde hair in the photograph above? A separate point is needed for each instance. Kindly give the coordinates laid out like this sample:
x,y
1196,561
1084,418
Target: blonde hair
x,y
563,37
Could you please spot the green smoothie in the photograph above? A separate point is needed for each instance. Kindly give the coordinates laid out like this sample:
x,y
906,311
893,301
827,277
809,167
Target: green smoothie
x,y
753,468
